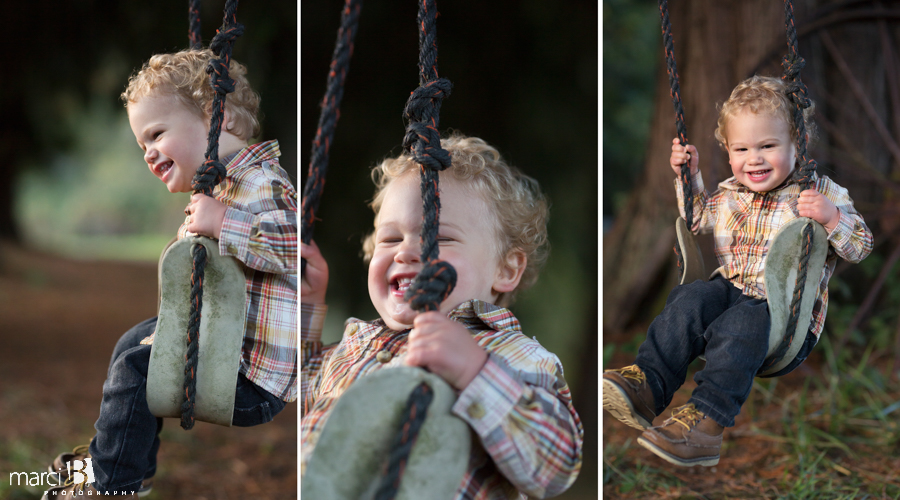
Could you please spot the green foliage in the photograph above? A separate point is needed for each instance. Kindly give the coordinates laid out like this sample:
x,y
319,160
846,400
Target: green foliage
x,y
98,198
631,47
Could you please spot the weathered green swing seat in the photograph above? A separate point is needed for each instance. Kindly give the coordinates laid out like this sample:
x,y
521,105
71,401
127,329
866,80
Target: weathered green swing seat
x,y
351,450
221,334
780,275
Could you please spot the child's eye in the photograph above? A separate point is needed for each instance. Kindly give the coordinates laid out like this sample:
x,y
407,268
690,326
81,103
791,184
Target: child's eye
x,y
157,134
444,239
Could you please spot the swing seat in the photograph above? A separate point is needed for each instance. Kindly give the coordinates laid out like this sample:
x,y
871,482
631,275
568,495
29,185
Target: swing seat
x,y
221,334
355,444
780,276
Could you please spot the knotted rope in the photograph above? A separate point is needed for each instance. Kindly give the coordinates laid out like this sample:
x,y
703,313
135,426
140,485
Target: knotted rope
x,y
796,91
334,92
437,278
210,173
414,416
675,92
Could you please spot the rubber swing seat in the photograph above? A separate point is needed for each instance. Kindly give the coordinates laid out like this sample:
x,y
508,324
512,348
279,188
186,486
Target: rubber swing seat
x,y
221,334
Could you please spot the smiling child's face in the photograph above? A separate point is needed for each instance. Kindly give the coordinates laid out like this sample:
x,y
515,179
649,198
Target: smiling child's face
x,y
172,137
467,239
760,149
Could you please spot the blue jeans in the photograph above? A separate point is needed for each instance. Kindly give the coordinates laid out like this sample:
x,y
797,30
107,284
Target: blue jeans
x,y
124,449
715,319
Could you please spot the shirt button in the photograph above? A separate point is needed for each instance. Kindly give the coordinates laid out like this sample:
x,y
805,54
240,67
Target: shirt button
x,y
384,356
475,410
230,248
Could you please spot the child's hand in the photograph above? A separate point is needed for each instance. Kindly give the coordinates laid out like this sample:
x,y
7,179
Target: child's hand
x,y
205,215
446,348
815,205
681,154
315,280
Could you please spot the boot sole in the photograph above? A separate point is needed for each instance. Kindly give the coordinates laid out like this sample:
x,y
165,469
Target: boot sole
x,y
672,459
617,403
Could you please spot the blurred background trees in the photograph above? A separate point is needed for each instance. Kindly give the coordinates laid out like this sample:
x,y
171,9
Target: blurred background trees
x,y
525,80
74,179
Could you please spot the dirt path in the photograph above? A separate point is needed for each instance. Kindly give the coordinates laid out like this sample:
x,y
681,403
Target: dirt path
x,y
59,320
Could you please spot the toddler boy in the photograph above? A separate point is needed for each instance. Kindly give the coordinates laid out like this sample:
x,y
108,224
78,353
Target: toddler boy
x,y
253,215
727,317
493,231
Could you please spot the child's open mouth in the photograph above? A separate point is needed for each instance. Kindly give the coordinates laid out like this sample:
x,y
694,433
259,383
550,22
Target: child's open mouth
x,y
400,285
163,169
758,175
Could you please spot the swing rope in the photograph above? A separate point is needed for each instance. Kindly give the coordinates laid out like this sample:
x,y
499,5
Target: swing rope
x,y
797,92
437,278
208,176
328,118
675,92
194,37
415,413
792,63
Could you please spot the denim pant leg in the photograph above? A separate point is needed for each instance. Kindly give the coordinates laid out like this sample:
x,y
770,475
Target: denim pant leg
x,y
133,338
126,438
676,336
735,350
253,405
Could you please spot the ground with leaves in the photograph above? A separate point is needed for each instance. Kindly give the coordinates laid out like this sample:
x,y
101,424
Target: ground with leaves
x,y
828,430
59,320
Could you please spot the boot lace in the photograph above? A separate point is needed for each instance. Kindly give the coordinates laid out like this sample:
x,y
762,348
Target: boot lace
x,y
631,372
687,415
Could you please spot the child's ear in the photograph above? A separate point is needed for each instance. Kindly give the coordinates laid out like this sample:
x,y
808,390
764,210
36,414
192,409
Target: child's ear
x,y
510,272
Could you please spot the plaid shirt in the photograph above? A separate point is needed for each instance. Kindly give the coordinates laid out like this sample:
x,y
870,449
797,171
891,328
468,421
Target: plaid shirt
x,y
260,230
518,405
745,222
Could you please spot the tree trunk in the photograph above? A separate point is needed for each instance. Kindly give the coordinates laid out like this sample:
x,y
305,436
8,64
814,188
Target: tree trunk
x,y
851,55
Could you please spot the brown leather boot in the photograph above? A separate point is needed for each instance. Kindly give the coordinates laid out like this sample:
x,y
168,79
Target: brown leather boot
x,y
687,438
627,396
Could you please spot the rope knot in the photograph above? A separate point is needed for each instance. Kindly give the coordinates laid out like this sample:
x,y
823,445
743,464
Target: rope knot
x,y
804,174
208,176
221,83
422,139
433,284
792,65
225,35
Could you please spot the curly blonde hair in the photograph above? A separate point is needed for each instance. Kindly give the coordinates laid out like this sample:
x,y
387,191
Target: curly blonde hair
x,y
516,199
183,75
763,94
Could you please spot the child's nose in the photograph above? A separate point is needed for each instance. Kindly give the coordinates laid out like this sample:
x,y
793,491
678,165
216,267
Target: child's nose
x,y
409,251
149,156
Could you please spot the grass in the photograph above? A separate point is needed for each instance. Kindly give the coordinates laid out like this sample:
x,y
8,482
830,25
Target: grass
x,y
831,432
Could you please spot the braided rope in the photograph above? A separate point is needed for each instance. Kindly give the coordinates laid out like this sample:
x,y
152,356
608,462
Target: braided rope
x,y
437,278
328,118
675,92
195,40
415,414
208,175
796,91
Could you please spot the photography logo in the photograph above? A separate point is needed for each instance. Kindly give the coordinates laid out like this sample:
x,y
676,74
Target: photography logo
x,y
79,472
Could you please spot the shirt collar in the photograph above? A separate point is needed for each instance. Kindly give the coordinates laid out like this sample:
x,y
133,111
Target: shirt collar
x,y
473,314
253,154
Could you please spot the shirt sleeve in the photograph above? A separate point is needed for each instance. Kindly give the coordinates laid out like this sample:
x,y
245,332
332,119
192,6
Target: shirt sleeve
x,y
703,215
265,240
312,319
851,238
526,423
